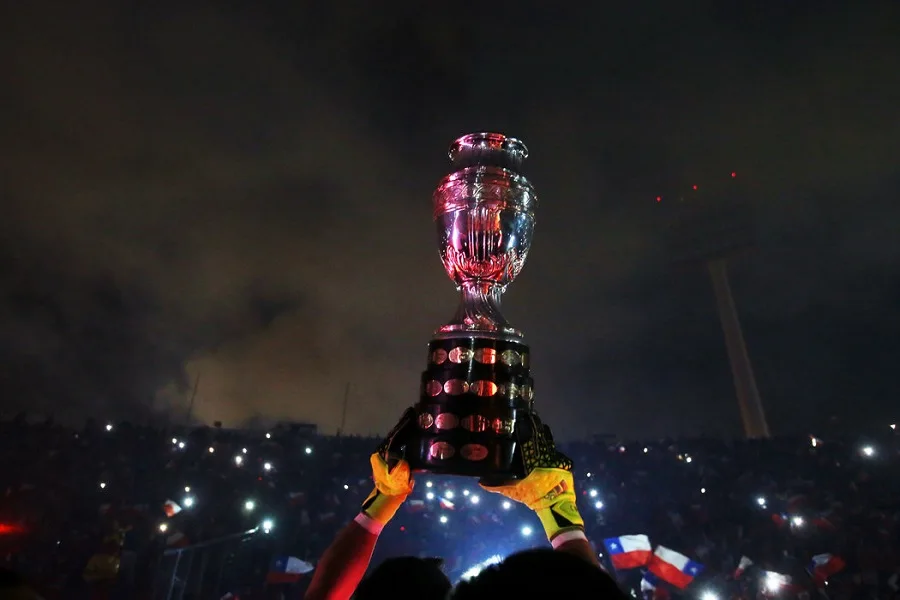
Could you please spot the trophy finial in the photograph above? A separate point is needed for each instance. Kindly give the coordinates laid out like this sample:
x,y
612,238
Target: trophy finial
x,y
488,150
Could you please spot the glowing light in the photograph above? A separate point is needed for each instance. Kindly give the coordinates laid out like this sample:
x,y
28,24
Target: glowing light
x,y
102,485
267,466
465,492
268,436
187,502
646,450
249,505
733,174
187,489
474,499
593,493
174,440
659,198
267,525
308,450
181,445
598,505
243,451
444,519
797,521
694,187
813,441
109,427
238,460
527,531
346,487
709,596
868,451
474,571
211,449
429,496
507,505
893,426
774,581
688,459
702,490
589,475
163,527
448,494
761,501
428,484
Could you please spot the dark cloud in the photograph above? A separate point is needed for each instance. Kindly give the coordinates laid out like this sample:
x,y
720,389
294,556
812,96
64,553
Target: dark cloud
x,y
242,192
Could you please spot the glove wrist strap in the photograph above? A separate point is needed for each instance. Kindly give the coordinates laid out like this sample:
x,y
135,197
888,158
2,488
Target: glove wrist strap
x,y
567,536
368,523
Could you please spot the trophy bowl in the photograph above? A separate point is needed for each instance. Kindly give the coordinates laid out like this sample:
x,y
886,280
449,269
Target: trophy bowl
x,y
477,387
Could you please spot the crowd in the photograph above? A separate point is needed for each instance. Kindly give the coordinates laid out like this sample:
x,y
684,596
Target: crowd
x,y
776,503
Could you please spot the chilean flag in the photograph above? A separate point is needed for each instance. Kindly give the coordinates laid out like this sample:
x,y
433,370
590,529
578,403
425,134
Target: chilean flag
x,y
628,551
287,569
673,567
824,566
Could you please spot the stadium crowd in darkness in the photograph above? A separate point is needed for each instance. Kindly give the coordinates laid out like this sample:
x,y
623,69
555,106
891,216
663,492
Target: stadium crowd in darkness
x,y
777,502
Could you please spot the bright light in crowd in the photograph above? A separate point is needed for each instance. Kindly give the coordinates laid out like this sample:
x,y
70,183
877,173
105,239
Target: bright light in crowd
x,y
474,571
507,505
243,451
267,466
181,445
868,451
428,484
211,449
249,505
188,502
444,519
773,581
465,492
589,475
797,521
102,485
267,525
238,460
646,450
346,487
187,489
702,490
429,496
308,450
474,499
622,449
813,441
761,501
109,426
163,527
268,436
593,493
448,494
709,596
688,459
526,531
598,504
174,440
893,426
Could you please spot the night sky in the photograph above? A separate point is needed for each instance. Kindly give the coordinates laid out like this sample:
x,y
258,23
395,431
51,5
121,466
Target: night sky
x,y
242,190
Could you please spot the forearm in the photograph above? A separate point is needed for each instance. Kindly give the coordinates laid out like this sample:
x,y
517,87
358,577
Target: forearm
x,y
578,546
343,564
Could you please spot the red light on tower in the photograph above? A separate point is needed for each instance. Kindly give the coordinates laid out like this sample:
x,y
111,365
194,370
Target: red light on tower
x,y
659,198
694,187
733,174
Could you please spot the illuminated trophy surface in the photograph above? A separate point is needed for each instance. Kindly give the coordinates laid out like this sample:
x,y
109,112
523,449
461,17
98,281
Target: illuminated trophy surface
x,y
477,392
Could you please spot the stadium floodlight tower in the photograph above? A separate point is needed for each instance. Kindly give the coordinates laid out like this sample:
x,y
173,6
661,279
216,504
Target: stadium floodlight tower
x,y
709,223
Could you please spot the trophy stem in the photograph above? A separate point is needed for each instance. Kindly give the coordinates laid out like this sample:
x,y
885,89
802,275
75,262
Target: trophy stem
x,y
479,311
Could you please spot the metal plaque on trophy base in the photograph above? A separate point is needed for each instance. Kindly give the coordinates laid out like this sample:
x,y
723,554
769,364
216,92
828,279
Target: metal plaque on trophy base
x,y
477,390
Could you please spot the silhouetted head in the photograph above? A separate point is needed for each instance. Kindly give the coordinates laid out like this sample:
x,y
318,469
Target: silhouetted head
x,y
405,578
14,587
541,573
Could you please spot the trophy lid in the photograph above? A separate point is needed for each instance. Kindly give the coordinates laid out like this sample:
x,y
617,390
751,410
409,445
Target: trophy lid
x,y
488,150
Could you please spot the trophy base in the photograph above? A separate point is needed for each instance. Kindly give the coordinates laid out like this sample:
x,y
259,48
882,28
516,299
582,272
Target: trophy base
x,y
475,393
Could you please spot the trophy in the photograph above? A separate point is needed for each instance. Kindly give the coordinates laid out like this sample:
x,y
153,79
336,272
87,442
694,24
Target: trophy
x,y
477,392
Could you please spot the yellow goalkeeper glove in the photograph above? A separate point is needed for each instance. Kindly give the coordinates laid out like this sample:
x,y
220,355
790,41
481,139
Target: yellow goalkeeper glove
x,y
393,479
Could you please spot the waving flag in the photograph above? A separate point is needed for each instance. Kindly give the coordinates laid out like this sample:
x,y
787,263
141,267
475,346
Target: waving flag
x,y
824,566
288,569
446,504
745,564
171,508
628,551
673,567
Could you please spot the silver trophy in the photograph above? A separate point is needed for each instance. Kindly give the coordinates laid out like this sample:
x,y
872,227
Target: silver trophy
x,y
477,388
